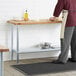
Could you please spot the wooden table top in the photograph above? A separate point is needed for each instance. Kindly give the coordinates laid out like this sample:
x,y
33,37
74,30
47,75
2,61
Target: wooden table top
x,y
3,49
41,21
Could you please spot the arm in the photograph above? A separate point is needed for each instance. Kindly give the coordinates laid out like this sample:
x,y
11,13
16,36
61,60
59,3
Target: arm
x,y
58,8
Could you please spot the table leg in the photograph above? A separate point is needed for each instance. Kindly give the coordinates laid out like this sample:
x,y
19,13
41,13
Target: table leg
x,y
1,63
17,44
11,42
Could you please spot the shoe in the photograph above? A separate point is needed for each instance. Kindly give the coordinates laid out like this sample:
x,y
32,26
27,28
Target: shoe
x,y
72,60
57,62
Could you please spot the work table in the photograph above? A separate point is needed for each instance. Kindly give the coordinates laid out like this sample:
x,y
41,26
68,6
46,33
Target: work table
x,y
18,23
2,49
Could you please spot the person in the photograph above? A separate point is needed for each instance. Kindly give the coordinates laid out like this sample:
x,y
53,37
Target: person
x,y
69,32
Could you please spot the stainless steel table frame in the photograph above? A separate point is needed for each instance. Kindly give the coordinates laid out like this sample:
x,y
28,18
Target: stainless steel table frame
x,y
1,63
17,43
17,23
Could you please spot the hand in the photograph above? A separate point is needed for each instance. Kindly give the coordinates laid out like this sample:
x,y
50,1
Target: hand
x,y
53,18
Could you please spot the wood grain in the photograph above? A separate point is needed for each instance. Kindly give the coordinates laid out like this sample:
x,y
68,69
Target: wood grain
x,y
41,21
3,49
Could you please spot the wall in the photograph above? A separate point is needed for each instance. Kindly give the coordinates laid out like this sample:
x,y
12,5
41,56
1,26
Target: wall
x,y
37,9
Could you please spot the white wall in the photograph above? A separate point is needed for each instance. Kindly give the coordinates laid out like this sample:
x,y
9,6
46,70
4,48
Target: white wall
x,y
37,9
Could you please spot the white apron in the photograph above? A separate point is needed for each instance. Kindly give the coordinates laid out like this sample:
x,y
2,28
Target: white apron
x,y
64,18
